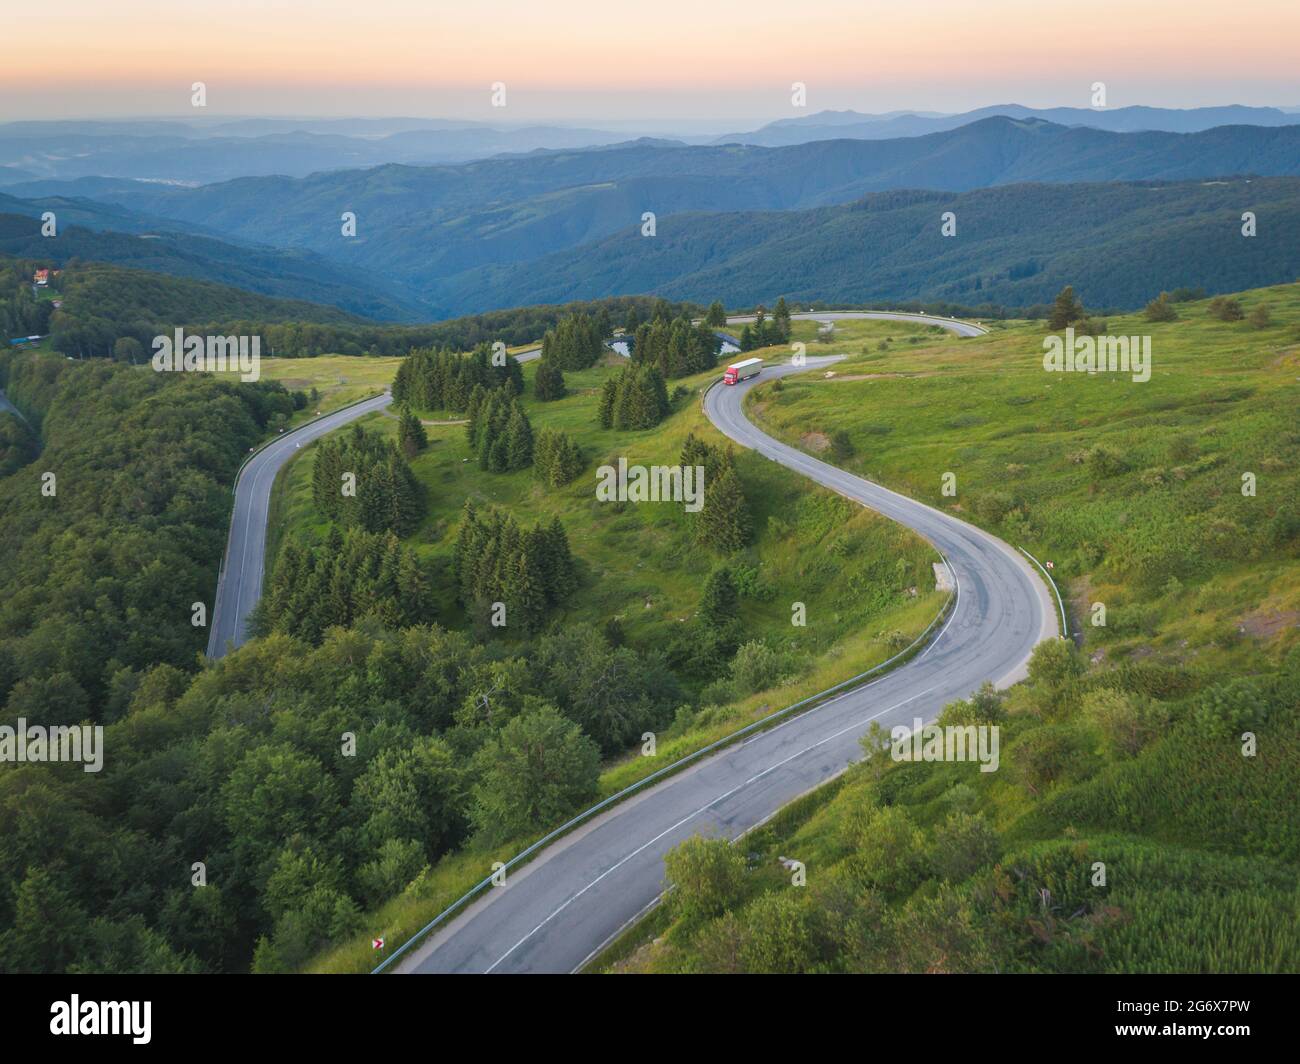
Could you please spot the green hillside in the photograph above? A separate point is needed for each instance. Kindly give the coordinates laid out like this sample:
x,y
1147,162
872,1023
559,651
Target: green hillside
x,y
103,233
1128,749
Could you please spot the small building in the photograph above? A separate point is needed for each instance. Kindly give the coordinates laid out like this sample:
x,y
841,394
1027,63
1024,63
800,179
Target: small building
x,y
41,277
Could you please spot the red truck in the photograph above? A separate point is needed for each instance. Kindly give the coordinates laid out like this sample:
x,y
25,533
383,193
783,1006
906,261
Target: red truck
x,y
740,371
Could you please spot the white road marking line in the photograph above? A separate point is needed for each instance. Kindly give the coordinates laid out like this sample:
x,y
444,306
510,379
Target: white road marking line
x,y
691,816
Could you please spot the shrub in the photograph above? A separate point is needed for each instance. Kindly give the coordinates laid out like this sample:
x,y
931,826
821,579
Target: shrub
x,y
1126,722
1161,309
963,844
758,666
1225,308
709,875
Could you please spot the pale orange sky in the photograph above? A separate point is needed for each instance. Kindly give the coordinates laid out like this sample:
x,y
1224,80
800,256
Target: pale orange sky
x,y
582,60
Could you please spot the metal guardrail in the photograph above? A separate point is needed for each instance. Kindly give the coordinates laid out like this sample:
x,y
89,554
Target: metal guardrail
x,y
310,421
804,703
1065,620
234,488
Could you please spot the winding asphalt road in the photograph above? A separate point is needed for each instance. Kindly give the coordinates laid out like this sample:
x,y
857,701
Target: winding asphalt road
x,y
556,911
240,584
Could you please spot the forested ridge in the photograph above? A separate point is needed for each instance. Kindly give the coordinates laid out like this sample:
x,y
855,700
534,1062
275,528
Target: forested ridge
x,y
103,304
103,562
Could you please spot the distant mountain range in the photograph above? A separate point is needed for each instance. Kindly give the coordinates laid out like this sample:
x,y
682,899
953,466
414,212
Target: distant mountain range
x,y
439,241
187,153
1119,244
202,151
825,125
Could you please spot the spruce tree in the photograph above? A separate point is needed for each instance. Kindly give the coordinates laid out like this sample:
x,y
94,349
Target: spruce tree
x,y
720,602
723,521
1066,309
781,320
548,385
410,434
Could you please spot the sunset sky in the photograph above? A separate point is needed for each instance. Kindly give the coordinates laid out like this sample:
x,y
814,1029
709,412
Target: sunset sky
x,y
676,61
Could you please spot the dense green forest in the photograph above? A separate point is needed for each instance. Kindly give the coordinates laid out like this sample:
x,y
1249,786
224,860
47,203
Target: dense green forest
x,y
248,769
102,304
18,444
117,530
576,342
637,398
677,348
352,575
499,430
243,770
507,577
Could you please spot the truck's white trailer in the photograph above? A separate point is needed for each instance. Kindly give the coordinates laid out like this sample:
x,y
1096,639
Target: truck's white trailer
x,y
740,371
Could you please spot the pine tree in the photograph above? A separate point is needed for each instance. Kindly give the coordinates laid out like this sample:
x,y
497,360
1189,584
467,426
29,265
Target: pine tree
x,y
608,397
781,320
410,434
723,522
519,440
720,603
564,575
1066,309
548,385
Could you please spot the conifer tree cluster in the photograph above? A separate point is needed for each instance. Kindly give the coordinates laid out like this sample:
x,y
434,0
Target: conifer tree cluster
x,y
636,398
411,437
380,495
548,384
499,430
576,342
496,561
557,458
765,331
352,575
677,348
723,522
444,380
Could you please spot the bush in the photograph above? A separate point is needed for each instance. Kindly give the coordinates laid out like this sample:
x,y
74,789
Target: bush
x,y
1126,722
709,875
1225,308
758,666
1161,309
963,844
1105,462
890,851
